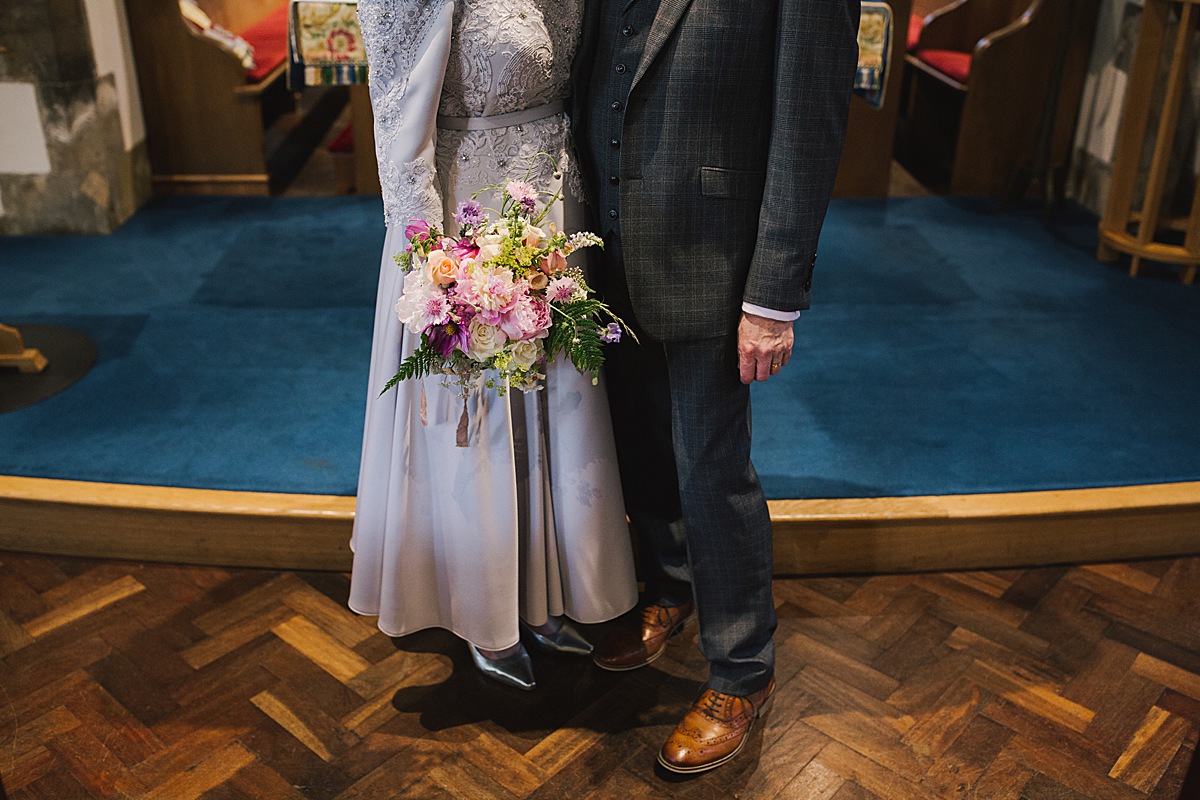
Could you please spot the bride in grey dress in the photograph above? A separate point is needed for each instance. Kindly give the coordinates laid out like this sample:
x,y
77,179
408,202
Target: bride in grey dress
x,y
525,527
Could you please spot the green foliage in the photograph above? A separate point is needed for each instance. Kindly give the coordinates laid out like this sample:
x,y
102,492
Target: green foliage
x,y
423,362
578,334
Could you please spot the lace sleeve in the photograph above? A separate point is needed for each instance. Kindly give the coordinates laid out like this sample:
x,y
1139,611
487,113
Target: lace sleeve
x,y
408,45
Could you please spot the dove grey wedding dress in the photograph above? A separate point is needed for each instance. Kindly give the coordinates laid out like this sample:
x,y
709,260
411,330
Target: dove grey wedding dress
x,y
527,521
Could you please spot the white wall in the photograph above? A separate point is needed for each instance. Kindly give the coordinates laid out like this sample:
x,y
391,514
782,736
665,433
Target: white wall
x,y
114,54
22,142
1104,92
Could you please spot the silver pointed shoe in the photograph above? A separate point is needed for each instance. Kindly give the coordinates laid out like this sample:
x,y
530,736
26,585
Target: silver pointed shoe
x,y
514,670
567,639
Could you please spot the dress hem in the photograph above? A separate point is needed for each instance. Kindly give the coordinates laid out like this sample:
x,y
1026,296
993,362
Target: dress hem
x,y
606,617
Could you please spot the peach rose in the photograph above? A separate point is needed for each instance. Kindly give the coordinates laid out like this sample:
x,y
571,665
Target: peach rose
x,y
442,269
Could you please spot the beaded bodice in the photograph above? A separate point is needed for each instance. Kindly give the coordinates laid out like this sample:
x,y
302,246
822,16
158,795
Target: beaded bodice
x,y
507,55
502,56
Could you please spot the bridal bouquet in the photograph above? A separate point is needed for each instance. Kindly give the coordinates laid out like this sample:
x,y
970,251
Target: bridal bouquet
x,y
496,301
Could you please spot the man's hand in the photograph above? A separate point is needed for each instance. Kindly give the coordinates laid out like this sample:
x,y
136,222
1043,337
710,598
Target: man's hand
x,y
764,347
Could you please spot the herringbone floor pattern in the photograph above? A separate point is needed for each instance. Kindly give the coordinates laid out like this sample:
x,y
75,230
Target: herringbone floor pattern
x,y
150,681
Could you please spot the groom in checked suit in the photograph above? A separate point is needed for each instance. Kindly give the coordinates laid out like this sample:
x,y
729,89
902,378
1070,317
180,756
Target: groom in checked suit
x,y
710,131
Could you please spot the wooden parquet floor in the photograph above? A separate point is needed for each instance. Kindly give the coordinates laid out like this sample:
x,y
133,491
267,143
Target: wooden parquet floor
x,y
152,681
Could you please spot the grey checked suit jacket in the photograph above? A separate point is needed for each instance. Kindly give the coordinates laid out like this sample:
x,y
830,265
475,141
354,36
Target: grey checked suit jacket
x,y
732,134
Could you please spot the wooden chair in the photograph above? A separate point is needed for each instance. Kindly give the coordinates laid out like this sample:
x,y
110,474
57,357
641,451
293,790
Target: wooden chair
x,y
213,126
980,74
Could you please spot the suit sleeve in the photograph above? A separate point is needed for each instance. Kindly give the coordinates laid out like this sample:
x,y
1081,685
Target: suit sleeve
x,y
816,54
408,48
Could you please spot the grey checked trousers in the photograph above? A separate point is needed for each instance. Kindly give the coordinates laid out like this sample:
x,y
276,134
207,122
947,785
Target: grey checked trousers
x,y
681,418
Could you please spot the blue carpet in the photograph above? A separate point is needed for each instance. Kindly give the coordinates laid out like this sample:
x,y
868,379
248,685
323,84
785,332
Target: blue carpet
x,y
949,350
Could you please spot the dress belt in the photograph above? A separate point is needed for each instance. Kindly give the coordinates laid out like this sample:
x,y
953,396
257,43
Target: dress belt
x,y
501,120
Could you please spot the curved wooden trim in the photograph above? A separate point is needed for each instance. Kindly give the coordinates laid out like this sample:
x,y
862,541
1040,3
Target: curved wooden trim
x,y
996,505
1155,251
887,534
1011,29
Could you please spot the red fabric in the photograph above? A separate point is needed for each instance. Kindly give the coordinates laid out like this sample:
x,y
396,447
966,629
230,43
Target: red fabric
x,y
948,62
268,37
344,141
915,23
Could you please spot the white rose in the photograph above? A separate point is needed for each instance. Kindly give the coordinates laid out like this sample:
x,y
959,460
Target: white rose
x,y
526,354
489,246
485,341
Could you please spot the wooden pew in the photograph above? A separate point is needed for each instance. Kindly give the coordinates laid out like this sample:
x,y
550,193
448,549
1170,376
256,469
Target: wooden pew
x,y
212,126
980,73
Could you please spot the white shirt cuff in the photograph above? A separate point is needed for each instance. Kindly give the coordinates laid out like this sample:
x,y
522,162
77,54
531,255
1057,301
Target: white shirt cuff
x,y
770,313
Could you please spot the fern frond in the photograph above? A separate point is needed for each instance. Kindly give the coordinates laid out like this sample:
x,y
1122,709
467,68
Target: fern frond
x,y
424,361
577,335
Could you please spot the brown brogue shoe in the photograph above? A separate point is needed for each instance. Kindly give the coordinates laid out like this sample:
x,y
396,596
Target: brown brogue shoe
x,y
635,643
713,731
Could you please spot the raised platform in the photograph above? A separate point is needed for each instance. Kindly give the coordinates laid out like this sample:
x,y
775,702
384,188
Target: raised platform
x,y
969,390
858,535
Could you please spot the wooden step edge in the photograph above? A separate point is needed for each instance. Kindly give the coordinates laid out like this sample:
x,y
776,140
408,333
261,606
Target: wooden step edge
x,y
867,535
1104,500
168,498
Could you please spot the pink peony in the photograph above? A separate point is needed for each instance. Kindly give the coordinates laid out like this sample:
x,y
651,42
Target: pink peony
x,y
490,316
529,318
488,289
499,291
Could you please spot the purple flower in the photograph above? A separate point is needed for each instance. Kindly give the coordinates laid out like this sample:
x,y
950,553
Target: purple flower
x,y
528,205
462,312
612,333
449,336
470,213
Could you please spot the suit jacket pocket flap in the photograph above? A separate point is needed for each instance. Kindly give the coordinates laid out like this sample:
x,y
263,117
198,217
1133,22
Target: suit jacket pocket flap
x,y
734,183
